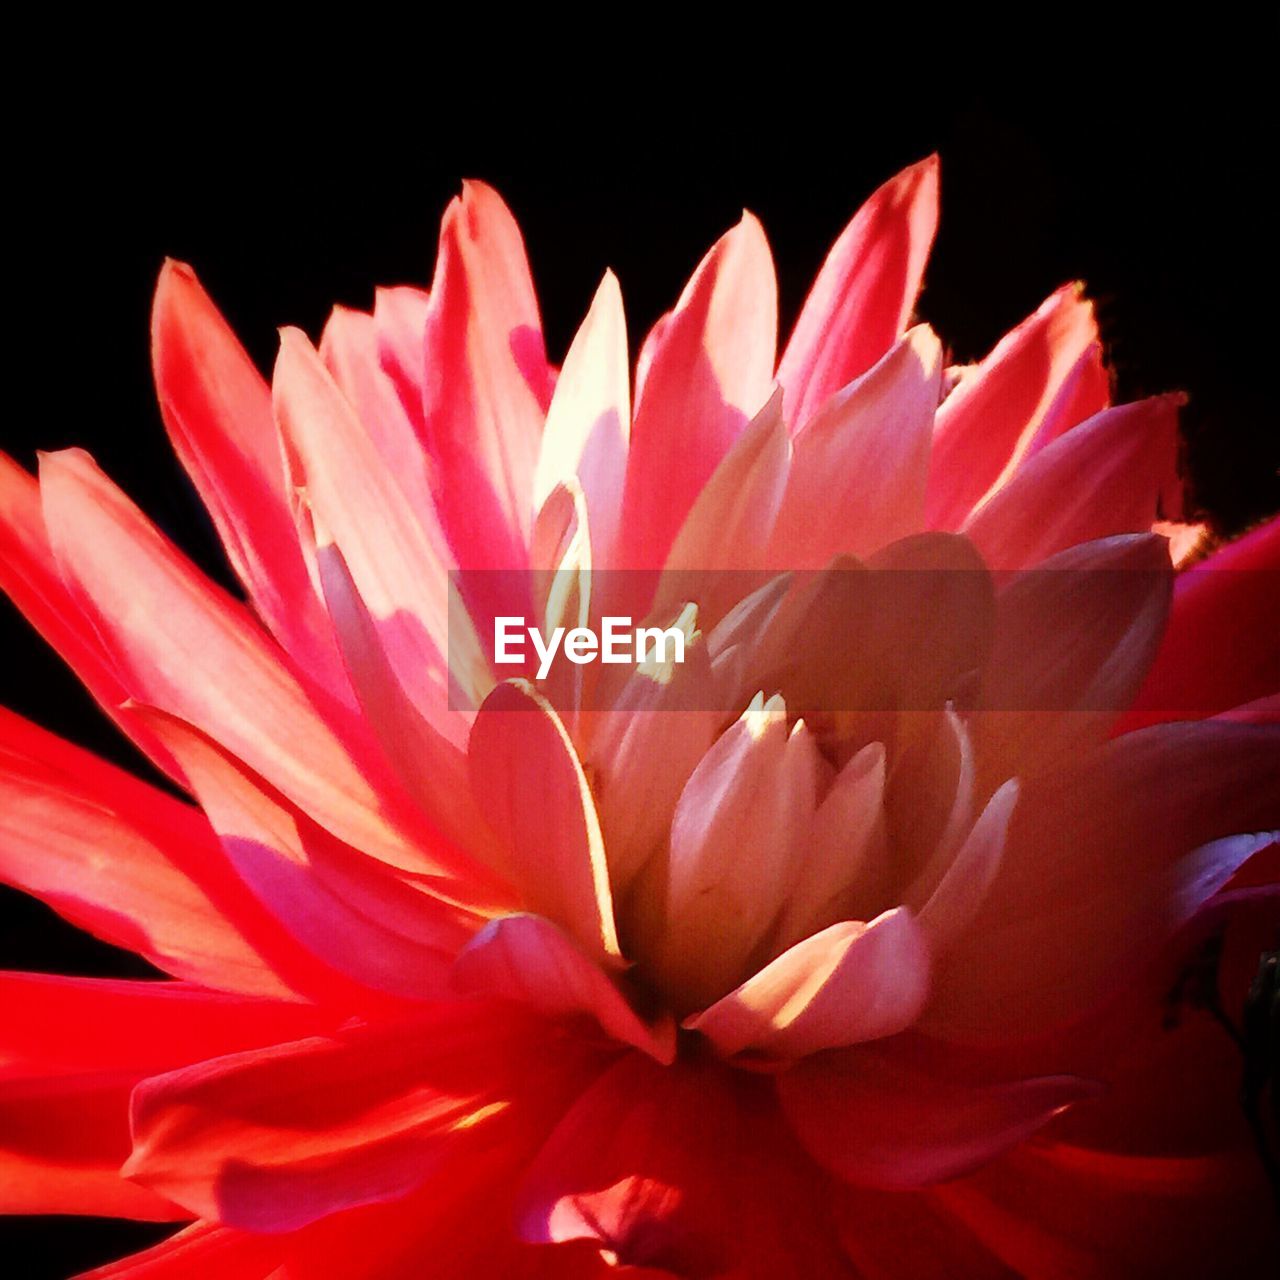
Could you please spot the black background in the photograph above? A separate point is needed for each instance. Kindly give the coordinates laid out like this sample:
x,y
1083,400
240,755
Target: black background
x,y
1142,162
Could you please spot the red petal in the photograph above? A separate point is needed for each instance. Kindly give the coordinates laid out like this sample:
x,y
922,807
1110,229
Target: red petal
x,y
684,1167
347,909
864,294
486,374
184,646
203,1251
217,410
1219,650
272,1139
987,423
130,864
1103,478
704,373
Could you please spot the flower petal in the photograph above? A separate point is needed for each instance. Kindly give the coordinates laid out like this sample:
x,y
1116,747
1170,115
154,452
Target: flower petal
x,y
131,865
589,422
986,425
182,645
851,982
345,908
485,383
863,296
704,373
530,960
1219,649
866,450
1103,478
271,1139
527,780
735,846
878,1120
1114,854
204,1251
217,410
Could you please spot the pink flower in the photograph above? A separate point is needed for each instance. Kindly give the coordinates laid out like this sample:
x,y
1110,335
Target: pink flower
x,y
839,949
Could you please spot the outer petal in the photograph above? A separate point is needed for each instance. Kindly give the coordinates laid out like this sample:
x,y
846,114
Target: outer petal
x,y
528,959
486,382
203,1251
217,410
345,908
866,451
528,782
1103,478
71,1049
874,1118
1115,854
1060,1213
849,983
686,1168
272,1139
131,865
181,644
30,577
1220,649
704,374
865,292
987,423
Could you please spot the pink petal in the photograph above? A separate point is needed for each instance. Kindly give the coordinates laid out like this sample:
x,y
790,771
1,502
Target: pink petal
x,y
849,983
345,908
181,644
396,555
1103,478
589,422
704,374
736,840
728,526
1086,391
400,319
527,780
987,423
30,577
131,865
529,960
867,450
863,296
874,1118
486,374
217,410
846,839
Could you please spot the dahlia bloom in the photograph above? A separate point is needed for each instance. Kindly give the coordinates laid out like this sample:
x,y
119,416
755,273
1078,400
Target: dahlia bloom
x,y
842,948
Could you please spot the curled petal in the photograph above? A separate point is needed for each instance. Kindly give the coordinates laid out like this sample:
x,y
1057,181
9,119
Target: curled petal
x,y
849,983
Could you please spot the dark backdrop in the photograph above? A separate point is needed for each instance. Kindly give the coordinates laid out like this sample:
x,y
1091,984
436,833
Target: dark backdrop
x,y
1142,168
